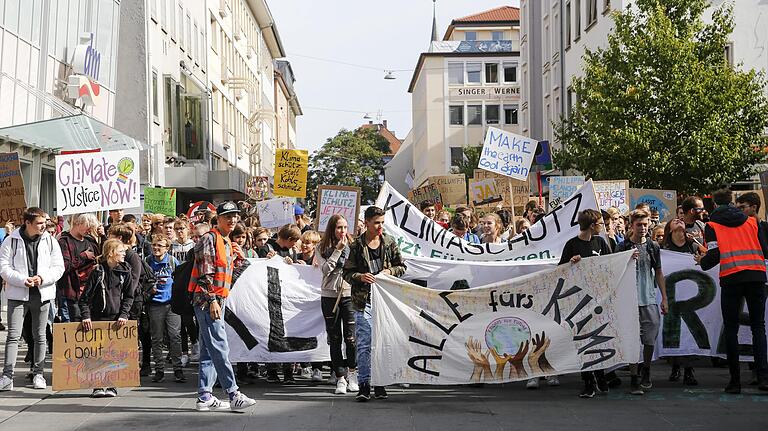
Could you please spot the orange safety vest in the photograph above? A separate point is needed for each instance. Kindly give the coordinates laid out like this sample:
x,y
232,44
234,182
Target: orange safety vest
x,y
739,248
222,278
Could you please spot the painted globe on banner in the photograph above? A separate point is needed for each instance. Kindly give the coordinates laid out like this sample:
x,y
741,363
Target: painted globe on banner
x,y
505,335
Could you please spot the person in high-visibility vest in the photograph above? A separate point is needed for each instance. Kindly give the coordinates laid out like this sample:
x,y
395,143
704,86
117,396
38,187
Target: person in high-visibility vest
x,y
734,241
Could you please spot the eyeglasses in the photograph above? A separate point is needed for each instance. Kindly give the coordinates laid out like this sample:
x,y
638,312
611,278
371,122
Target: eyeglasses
x,y
698,210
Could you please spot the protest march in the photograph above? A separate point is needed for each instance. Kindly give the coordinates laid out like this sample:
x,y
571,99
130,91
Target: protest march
x,y
434,288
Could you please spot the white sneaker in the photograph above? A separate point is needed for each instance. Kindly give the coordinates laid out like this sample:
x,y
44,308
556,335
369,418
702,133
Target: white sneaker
x,y
405,385
334,379
6,383
306,372
213,404
553,381
341,386
184,360
532,383
241,401
38,382
317,376
194,354
352,381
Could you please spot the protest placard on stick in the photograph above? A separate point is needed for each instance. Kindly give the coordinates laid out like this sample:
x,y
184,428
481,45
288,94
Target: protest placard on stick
x,y
429,193
453,188
160,201
507,154
613,193
275,212
291,173
12,197
663,201
337,200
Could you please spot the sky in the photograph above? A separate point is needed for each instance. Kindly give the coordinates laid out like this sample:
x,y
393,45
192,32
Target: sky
x,y
320,35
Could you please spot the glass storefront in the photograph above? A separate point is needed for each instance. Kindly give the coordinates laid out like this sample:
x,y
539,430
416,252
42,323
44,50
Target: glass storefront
x,y
184,122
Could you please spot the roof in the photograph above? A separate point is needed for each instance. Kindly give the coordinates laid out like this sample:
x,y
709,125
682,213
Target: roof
x,y
394,142
501,13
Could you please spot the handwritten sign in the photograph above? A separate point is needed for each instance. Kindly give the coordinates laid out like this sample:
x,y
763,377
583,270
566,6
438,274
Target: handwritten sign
x,y
257,188
104,357
513,192
337,200
453,188
484,192
160,201
12,200
507,154
429,193
275,212
663,201
291,173
613,194
561,188
90,182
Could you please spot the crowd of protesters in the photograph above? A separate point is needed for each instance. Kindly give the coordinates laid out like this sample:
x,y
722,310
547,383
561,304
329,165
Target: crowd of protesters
x,y
173,274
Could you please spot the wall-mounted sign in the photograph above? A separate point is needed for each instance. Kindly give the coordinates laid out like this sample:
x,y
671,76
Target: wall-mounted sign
x,y
505,92
86,61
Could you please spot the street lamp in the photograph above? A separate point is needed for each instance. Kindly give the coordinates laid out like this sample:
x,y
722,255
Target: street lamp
x,y
389,75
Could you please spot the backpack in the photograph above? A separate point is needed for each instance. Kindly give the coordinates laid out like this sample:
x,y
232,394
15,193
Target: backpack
x,y
181,298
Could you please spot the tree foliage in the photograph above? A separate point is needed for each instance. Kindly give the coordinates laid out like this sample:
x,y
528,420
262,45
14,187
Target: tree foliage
x,y
661,106
469,161
351,158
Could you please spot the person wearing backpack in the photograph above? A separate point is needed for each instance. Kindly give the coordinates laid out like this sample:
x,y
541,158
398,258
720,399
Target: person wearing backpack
x,y
79,251
162,319
30,263
108,295
180,248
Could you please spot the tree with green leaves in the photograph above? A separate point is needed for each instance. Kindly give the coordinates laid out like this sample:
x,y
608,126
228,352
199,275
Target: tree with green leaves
x,y
662,107
469,161
351,158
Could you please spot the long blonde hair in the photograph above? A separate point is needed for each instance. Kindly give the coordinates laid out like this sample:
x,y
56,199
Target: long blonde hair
x,y
109,247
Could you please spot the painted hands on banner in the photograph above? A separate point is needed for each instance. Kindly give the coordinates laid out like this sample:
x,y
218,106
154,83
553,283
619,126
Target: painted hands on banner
x,y
534,349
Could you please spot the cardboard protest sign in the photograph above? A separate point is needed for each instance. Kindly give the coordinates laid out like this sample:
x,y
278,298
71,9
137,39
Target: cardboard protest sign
x,y
663,201
90,182
561,188
557,321
337,200
12,199
507,154
429,193
275,212
613,194
514,192
484,192
453,188
160,201
104,357
291,173
257,188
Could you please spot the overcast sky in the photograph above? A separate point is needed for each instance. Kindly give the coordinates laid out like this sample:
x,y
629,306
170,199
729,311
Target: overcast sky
x,y
378,34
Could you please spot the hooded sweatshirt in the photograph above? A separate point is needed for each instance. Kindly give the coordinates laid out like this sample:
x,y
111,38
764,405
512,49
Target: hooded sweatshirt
x,y
108,293
730,216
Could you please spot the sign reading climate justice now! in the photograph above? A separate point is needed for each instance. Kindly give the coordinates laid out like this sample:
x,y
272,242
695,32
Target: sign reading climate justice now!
x,y
12,199
564,320
507,154
416,235
104,357
337,200
89,182
291,173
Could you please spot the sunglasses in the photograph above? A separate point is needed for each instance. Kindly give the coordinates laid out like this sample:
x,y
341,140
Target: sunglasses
x,y
698,210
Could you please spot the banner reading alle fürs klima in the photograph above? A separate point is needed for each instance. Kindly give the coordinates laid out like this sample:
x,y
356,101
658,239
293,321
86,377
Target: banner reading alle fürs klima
x,y
565,320
291,173
88,182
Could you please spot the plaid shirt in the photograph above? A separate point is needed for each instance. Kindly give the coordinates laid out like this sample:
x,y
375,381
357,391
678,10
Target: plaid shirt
x,y
205,260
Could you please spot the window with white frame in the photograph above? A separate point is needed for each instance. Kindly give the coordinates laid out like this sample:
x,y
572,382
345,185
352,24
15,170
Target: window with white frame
x,y
497,35
474,73
491,73
591,12
577,20
470,35
510,72
456,115
568,25
491,114
474,115
456,73
510,115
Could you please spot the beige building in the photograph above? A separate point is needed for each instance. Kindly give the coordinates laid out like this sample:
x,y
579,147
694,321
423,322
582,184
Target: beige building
x,y
467,82
287,106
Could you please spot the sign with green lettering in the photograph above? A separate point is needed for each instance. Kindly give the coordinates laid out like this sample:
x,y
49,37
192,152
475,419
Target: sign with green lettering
x,y
160,201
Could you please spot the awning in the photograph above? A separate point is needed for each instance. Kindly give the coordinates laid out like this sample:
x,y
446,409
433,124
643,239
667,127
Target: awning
x,y
76,132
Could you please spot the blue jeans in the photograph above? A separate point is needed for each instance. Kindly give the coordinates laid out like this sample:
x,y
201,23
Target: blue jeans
x,y
214,353
363,334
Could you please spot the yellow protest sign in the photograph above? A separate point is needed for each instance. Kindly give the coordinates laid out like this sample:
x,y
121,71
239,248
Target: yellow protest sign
x,y
291,173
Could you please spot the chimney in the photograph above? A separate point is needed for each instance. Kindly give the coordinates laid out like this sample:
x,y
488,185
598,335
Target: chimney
x,y
370,121
385,123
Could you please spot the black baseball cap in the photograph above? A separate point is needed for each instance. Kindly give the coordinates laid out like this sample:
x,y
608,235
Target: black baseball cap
x,y
227,207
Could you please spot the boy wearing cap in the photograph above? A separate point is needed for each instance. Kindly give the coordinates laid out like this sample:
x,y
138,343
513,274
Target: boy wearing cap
x,y
215,259
301,220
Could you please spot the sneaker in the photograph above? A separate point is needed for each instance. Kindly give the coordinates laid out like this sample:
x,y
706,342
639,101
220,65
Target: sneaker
x,y
634,386
38,382
145,370
317,376
532,384
602,384
364,393
159,377
110,392
194,354
589,389
213,404
288,379
184,360
688,378
613,380
272,377
645,379
6,383
333,379
675,374
341,386
380,393
733,388
240,401
352,385
98,393
553,381
179,376
306,372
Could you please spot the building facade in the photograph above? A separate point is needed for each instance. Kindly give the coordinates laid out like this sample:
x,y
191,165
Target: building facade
x,y
287,107
467,82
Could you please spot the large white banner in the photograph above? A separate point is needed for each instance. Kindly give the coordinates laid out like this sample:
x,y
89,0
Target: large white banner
x,y
273,314
89,182
419,236
694,324
444,274
567,319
